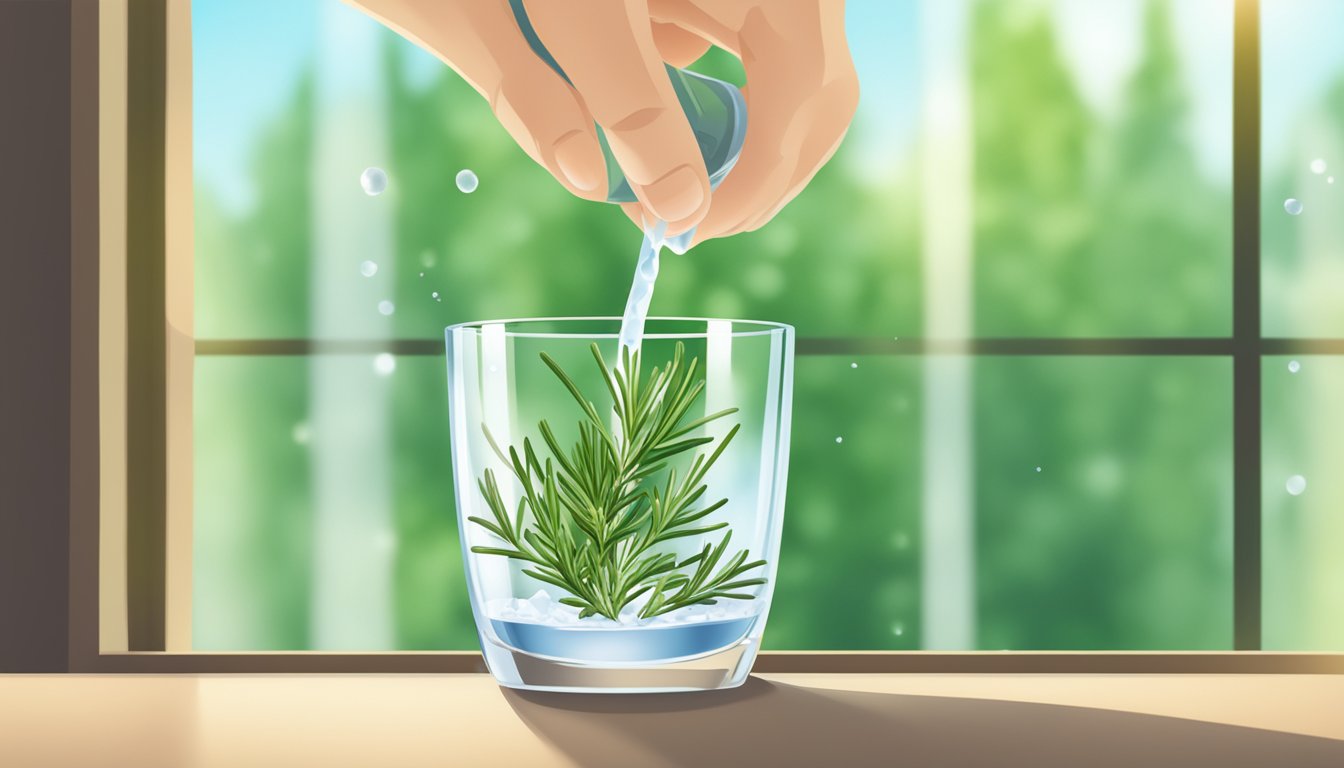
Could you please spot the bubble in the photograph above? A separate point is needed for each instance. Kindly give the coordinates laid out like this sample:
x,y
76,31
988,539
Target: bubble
x,y
428,259
301,433
1296,485
853,365
839,440
386,307
1330,180
368,268
384,364
374,181
422,274
467,181
1294,366
1318,166
898,629
1038,469
435,296
1293,206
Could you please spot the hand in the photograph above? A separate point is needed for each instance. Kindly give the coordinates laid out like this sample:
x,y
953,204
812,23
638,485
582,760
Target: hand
x,y
801,93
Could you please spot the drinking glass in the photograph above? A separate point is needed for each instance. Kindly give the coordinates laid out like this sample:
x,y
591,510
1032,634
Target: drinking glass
x,y
500,386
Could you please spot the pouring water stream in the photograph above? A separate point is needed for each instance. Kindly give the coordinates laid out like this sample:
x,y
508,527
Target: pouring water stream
x,y
641,288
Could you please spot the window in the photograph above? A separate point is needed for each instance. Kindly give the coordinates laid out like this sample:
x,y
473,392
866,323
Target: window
x,y
1028,397
1303,160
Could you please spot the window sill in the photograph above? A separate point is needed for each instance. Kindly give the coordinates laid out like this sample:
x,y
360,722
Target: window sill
x,y
781,719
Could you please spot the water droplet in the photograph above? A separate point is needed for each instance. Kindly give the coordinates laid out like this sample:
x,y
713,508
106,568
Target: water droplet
x,y
1293,206
386,307
853,365
1038,469
1294,366
368,268
1318,166
301,433
434,295
422,274
384,364
374,181
1296,485
839,440
467,181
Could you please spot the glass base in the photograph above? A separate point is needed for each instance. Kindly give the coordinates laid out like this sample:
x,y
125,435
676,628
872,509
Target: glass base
x,y
726,668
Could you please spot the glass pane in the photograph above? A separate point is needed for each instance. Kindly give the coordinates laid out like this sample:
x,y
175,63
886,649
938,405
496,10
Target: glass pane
x,y
1102,167
849,567
1096,202
1302,166
1303,497
294,100
324,511
1104,503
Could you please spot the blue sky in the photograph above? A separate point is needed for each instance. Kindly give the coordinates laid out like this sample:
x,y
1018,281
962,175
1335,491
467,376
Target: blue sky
x,y
248,55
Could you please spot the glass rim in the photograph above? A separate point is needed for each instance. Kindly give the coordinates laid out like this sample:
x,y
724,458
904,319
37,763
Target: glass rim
x,y
750,327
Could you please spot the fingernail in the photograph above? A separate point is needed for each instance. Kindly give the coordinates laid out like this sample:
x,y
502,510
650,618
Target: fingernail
x,y
676,195
580,160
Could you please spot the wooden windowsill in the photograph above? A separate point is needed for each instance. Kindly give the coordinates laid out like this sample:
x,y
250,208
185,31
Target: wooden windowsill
x,y
778,720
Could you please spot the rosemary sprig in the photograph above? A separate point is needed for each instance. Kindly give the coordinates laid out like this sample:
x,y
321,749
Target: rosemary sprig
x,y
591,519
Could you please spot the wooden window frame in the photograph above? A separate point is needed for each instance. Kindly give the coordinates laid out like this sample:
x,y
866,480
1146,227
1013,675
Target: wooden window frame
x,y
102,587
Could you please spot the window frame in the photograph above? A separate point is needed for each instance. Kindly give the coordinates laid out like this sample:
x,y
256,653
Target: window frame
x,y
130,527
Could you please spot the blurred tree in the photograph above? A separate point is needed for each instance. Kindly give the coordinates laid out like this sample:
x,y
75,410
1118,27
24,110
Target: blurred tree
x,y
252,559
1123,539
1082,227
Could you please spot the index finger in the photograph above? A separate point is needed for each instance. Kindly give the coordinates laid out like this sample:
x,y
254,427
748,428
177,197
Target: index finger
x,y
610,57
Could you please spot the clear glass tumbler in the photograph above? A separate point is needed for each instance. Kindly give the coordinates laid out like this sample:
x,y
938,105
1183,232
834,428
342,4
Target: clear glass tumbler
x,y
643,570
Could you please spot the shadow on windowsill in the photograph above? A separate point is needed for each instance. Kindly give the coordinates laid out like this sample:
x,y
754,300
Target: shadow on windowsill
x,y
775,724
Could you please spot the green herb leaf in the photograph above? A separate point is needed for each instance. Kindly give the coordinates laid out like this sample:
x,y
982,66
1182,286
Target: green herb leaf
x,y
598,510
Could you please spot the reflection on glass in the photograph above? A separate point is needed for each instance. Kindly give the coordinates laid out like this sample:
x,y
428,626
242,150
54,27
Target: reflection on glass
x,y
327,531
1302,231
1303,503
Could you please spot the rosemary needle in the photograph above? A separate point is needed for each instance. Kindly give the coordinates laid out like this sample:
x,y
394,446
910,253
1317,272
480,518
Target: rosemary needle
x,y
591,519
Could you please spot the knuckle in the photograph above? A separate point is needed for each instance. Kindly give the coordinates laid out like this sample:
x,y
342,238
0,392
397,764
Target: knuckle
x,y
635,118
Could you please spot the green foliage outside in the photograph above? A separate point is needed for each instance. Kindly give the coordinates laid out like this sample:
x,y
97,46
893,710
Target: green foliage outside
x,y
1084,226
